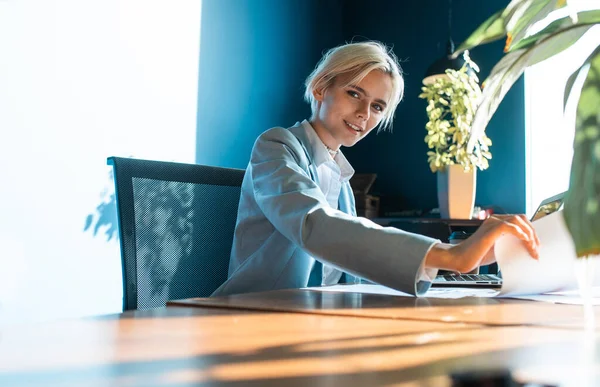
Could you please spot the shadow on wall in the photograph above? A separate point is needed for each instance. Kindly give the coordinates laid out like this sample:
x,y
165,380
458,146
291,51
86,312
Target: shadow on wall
x,y
105,216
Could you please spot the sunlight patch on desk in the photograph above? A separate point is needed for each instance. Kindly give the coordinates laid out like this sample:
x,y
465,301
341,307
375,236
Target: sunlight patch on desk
x,y
382,358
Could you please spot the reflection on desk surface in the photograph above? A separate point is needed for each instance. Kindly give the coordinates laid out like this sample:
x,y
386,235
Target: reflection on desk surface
x,y
479,310
223,347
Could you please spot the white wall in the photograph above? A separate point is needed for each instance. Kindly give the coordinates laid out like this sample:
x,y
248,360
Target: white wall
x,y
81,80
550,132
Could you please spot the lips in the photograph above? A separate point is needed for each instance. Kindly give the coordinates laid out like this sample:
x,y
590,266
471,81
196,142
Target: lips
x,y
354,127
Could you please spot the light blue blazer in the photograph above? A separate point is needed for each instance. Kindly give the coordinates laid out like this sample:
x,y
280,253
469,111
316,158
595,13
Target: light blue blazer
x,y
284,223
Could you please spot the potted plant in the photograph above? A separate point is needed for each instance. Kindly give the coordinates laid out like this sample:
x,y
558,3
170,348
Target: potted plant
x,y
451,104
534,32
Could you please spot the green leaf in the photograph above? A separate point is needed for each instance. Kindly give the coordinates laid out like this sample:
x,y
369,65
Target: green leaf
x,y
581,71
570,82
581,212
557,43
583,18
537,11
492,29
513,20
509,69
514,11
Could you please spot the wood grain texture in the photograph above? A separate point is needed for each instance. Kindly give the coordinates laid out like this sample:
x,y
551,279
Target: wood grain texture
x,y
203,346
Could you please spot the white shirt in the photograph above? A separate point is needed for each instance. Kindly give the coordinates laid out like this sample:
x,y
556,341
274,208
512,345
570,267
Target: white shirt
x,y
331,174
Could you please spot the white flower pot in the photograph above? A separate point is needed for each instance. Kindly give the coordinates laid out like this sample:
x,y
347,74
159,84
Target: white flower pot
x,y
456,192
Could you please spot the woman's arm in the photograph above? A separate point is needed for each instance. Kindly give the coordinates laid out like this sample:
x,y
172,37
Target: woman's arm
x,y
478,249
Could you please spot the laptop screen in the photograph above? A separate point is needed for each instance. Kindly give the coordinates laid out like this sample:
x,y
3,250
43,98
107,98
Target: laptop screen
x,y
548,206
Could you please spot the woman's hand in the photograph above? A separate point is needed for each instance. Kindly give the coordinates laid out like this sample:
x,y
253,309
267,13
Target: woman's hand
x,y
478,249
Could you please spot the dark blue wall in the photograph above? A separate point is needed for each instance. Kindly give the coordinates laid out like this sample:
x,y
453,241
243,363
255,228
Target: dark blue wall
x,y
254,58
418,33
255,55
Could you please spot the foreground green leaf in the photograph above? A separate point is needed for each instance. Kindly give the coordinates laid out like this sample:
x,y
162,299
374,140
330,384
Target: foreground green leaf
x,y
582,207
583,18
513,22
536,12
569,85
510,68
492,29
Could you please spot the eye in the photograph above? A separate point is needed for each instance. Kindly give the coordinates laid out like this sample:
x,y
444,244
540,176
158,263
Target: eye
x,y
353,94
378,108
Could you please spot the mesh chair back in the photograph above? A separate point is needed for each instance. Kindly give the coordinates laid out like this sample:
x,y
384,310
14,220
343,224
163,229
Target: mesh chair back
x,y
176,224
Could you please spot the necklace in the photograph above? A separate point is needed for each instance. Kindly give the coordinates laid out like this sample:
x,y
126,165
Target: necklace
x,y
331,152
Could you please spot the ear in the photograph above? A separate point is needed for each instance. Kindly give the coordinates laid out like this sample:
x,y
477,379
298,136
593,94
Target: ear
x,y
319,94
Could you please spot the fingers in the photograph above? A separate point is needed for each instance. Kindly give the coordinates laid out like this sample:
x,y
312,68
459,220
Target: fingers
x,y
520,227
479,248
527,227
537,239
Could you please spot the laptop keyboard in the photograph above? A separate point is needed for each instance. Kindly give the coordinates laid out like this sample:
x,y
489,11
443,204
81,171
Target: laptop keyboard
x,y
467,277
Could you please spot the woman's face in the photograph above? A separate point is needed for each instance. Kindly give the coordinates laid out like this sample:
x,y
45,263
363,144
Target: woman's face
x,y
347,114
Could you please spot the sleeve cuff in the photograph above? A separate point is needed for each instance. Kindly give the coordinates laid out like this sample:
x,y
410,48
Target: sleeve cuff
x,y
424,278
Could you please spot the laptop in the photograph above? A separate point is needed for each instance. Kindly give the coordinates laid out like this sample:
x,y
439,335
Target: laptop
x,y
546,207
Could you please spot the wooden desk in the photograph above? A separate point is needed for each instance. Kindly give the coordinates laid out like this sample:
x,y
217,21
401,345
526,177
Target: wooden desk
x,y
218,347
486,311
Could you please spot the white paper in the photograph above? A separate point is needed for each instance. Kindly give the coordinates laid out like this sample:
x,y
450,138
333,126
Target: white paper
x,y
571,297
361,288
431,293
555,269
567,297
571,300
460,292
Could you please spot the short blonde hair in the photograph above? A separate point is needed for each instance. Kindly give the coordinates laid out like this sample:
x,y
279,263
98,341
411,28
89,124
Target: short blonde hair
x,y
357,59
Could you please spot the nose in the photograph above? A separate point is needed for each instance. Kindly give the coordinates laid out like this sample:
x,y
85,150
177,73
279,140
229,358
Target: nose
x,y
363,111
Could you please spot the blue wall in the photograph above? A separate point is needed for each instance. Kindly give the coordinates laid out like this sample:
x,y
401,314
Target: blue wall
x,y
418,34
255,55
254,58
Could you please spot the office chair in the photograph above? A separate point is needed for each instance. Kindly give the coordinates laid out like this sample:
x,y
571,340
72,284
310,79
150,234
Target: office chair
x,y
176,224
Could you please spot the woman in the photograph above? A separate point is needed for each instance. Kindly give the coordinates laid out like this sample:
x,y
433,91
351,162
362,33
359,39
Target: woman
x,y
297,223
